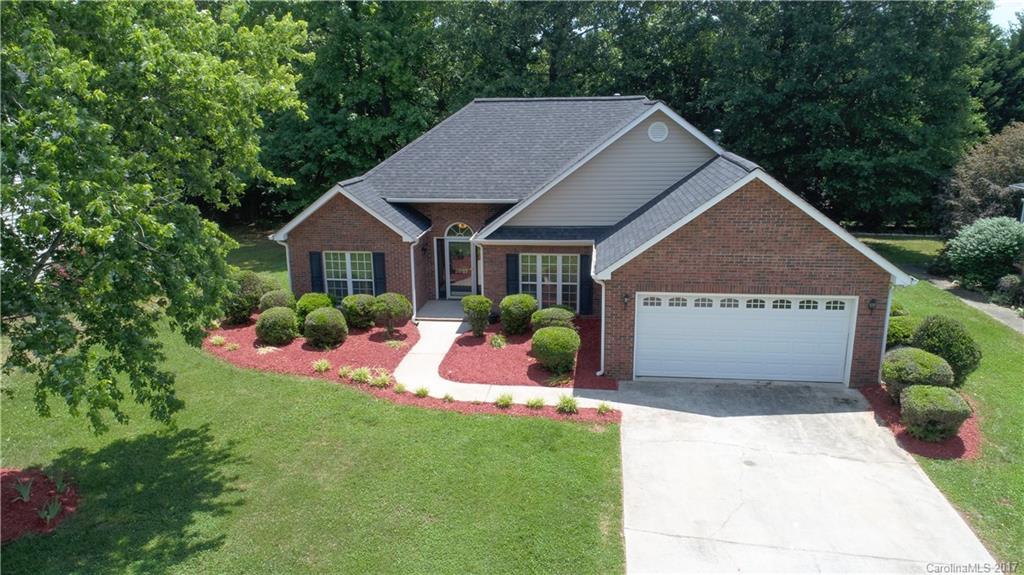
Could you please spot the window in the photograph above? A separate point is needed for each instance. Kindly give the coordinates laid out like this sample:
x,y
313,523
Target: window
x,y
808,304
554,279
677,302
458,230
347,273
782,304
651,301
835,305
755,304
703,302
729,302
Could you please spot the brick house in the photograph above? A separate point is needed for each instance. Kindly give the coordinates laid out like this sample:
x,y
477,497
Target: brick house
x,y
699,264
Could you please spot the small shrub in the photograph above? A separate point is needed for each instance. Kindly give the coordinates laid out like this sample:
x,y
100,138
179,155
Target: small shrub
x,y
901,330
603,408
393,310
986,250
361,375
1009,291
394,344
218,340
245,296
477,309
380,380
422,392
232,346
345,371
309,302
49,511
515,311
498,341
399,388
552,317
504,401
555,348
60,482
906,366
566,404
276,326
277,298
448,398
321,365
535,403
933,413
950,340
898,310
24,489
325,327
360,310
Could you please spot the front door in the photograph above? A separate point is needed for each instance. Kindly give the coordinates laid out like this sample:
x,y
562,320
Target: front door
x,y
459,269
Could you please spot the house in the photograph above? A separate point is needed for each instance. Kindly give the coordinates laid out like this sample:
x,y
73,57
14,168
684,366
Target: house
x,y
698,263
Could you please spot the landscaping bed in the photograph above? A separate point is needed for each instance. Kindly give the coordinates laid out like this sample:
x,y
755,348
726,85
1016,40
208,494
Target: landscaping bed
x,y
22,517
966,444
472,359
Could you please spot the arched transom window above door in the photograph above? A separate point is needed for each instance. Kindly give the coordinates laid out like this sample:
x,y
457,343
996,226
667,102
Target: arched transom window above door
x,y
459,230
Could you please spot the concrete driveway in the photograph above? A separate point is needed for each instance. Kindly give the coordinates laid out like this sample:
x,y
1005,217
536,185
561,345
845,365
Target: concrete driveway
x,y
743,477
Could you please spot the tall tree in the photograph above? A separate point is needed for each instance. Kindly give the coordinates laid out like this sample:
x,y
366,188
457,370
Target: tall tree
x,y
1001,89
115,116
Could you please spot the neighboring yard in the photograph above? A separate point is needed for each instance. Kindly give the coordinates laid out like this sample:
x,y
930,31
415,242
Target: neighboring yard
x,y
274,473
988,490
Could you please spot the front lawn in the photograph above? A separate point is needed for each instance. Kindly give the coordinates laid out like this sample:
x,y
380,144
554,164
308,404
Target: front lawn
x,y
911,253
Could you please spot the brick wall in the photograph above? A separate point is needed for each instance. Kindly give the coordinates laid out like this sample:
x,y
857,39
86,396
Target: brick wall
x,y
754,241
441,216
495,273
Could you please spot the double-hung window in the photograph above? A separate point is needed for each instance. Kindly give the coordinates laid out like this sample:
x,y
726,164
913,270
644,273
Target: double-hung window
x,y
347,273
554,279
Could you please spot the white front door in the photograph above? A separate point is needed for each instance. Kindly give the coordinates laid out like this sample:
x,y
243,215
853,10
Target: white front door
x,y
762,337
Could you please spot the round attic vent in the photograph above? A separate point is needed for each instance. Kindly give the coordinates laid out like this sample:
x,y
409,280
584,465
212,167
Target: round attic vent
x,y
657,132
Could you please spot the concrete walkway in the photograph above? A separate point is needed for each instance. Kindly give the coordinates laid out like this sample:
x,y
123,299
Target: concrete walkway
x,y
1003,315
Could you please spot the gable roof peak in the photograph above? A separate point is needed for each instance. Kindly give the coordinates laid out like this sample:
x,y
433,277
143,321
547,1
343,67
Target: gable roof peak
x,y
562,99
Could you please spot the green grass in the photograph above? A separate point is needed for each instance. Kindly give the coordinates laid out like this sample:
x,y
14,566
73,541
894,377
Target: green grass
x,y
989,490
255,252
266,473
915,253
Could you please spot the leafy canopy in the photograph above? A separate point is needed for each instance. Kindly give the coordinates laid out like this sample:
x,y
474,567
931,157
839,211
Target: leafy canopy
x,y
115,116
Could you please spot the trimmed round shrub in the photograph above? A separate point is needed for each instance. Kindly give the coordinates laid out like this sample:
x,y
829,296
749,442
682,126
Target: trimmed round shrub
x,y
311,301
907,366
325,327
393,310
555,348
277,298
268,283
933,413
360,310
1009,291
552,317
245,296
478,311
901,330
898,310
515,311
949,339
986,250
277,326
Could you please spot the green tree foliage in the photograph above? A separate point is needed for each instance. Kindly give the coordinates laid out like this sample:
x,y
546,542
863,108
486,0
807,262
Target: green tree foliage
x,y
114,116
1001,89
980,185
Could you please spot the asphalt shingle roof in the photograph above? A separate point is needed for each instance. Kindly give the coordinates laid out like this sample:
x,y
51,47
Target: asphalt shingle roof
x,y
411,222
670,206
548,233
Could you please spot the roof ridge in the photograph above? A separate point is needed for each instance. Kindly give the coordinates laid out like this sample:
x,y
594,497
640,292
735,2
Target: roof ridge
x,y
560,99
739,161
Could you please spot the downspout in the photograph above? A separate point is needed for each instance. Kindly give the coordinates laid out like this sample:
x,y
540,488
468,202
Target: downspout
x,y
412,277
885,331
593,264
287,263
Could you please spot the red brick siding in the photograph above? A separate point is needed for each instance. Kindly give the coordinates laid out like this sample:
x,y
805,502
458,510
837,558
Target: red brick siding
x,y
441,216
495,272
754,241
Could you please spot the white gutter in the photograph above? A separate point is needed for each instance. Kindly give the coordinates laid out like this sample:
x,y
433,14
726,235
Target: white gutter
x,y
287,263
593,263
486,242
451,200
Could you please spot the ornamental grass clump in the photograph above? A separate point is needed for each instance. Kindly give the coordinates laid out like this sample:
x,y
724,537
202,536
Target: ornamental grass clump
x,y
381,378
477,309
535,403
359,310
552,317
904,367
345,372
498,341
950,340
933,413
516,311
504,401
325,327
217,340
422,392
566,405
555,348
361,375
277,326
603,408
321,366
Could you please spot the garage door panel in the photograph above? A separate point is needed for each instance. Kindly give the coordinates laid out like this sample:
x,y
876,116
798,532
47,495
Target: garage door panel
x,y
741,342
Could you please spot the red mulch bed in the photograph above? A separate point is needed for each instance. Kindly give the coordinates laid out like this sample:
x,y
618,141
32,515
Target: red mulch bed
x,y
21,517
964,445
362,348
472,360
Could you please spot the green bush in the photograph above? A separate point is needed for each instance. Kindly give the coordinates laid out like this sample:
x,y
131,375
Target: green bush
x,y
555,348
950,340
1009,291
360,310
277,298
311,301
933,413
535,403
247,289
504,401
515,311
901,330
276,326
498,341
552,317
393,310
906,366
566,405
898,310
325,327
986,250
478,311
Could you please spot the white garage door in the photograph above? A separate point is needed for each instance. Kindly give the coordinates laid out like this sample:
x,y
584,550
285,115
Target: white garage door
x,y
764,337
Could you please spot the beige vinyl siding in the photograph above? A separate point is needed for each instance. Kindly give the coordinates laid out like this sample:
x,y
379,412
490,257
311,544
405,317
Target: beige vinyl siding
x,y
618,180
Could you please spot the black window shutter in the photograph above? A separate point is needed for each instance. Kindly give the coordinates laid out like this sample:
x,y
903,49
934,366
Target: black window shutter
x,y
442,290
512,273
380,278
586,287
316,272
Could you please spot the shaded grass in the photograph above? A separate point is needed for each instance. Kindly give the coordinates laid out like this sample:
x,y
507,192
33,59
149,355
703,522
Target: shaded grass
x,y
914,253
256,253
273,473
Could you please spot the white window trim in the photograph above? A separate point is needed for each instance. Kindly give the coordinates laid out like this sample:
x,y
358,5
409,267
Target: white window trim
x,y
558,276
348,270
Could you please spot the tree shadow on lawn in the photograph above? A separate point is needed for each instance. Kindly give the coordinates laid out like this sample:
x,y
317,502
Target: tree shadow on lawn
x,y
140,500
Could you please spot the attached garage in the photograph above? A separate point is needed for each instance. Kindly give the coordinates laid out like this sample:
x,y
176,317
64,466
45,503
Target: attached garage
x,y
744,336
